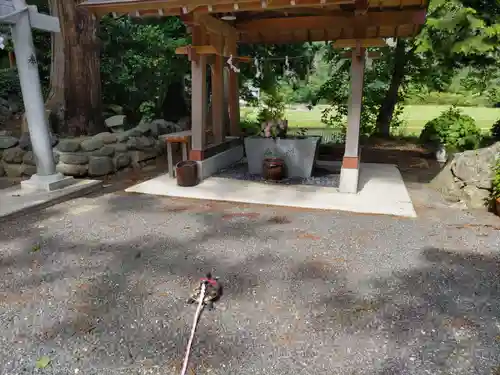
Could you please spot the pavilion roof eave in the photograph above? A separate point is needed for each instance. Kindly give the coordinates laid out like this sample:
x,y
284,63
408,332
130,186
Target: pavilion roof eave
x,y
178,7
174,7
281,26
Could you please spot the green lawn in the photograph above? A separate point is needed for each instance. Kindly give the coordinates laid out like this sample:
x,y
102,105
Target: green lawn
x,y
415,115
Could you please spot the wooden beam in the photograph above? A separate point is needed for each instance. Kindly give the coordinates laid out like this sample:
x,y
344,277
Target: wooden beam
x,y
218,91
216,26
233,94
209,50
199,50
374,19
274,37
353,43
371,55
198,95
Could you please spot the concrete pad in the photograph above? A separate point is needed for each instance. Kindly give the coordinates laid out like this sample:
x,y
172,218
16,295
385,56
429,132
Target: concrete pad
x,y
382,191
15,201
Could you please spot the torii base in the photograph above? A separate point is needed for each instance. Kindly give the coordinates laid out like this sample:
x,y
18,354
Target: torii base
x,y
52,182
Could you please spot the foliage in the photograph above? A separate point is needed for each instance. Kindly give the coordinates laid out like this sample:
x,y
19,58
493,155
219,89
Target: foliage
x,y
249,126
496,181
139,62
376,83
495,130
9,83
272,106
454,129
147,110
271,62
305,91
461,32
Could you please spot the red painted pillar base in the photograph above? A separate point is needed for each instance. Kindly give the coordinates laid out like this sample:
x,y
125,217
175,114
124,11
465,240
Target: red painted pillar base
x,y
196,155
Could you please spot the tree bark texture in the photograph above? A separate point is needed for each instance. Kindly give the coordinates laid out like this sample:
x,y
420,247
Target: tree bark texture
x,y
82,78
386,111
55,101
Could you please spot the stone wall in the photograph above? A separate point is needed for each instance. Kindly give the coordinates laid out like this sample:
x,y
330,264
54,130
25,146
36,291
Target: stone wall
x,y
95,156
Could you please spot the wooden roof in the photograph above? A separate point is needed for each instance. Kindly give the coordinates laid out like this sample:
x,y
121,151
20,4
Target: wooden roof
x,y
283,21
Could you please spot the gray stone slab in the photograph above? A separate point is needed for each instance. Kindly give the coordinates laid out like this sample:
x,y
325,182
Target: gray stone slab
x,y
15,201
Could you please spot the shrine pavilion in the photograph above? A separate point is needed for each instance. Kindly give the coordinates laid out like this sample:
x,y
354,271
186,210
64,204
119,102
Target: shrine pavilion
x,y
219,26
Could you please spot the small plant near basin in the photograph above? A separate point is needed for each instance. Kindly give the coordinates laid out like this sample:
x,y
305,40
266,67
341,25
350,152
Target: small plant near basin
x,y
273,149
273,165
275,129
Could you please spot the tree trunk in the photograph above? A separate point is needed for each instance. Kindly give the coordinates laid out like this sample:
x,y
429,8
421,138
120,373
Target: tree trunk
x,y
174,104
82,79
55,101
386,111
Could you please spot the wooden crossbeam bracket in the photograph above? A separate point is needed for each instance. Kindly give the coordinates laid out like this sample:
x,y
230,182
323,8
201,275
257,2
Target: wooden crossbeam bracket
x,y
372,55
361,7
216,26
198,50
193,52
359,43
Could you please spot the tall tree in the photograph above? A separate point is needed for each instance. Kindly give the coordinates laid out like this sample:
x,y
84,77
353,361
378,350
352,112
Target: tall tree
x,y
457,33
400,61
80,76
55,101
140,70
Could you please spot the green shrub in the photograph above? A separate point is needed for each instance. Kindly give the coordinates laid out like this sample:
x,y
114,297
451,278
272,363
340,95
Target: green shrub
x,y
496,181
250,127
495,130
9,83
272,106
454,129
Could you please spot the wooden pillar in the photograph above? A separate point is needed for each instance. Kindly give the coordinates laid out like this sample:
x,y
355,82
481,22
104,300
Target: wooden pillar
x,y
226,101
198,97
218,90
233,93
349,175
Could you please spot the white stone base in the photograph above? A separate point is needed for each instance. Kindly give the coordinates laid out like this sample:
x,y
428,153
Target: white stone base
x,y
349,179
212,165
47,183
382,191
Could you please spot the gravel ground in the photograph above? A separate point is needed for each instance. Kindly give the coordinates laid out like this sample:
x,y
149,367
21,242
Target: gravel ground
x,y
98,284
320,176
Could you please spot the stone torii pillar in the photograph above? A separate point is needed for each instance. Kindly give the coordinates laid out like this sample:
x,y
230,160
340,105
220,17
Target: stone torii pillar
x,y
22,18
